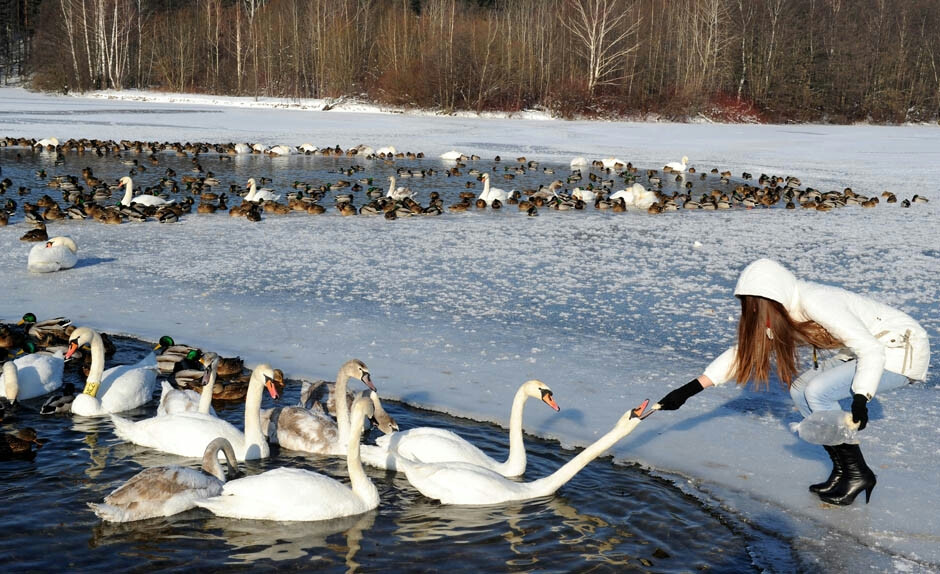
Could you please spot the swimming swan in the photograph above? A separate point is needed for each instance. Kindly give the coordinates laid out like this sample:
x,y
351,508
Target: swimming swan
x,y
31,376
676,166
187,434
490,193
119,388
430,444
167,490
186,400
53,255
293,494
462,483
257,195
145,199
398,192
635,196
310,430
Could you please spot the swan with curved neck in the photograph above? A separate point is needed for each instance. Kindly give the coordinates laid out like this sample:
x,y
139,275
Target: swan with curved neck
x,y
397,192
429,444
119,388
53,255
168,490
32,375
129,198
467,484
255,194
186,400
676,166
490,193
293,494
305,430
187,434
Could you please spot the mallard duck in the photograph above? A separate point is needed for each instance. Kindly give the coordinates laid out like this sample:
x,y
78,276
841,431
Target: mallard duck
x,y
59,402
37,234
49,331
19,444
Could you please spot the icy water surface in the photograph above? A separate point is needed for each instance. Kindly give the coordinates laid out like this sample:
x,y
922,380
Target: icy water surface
x,y
608,518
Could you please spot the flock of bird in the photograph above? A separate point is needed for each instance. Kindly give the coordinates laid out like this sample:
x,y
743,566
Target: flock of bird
x,y
329,420
608,183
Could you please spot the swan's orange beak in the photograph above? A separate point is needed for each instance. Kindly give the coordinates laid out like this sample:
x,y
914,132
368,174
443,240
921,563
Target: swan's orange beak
x,y
272,390
73,346
638,412
549,400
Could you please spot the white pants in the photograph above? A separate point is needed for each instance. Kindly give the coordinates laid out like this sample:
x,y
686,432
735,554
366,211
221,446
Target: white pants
x,y
821,389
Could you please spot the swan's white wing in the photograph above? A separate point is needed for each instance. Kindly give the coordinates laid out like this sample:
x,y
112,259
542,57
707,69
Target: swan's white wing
x,y
127,387
38,373
176,400
184,434
461,483
430,444
44,259
286,494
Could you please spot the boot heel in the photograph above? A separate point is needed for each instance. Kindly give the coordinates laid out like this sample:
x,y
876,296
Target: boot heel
x,y
868,490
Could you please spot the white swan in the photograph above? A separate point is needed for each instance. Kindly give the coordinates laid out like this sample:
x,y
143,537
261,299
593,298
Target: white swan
x,y
635,196
612,162
293,494
31,376
452,155
585,195
167,490
311,430
186,400
242,148
281,150
263,194
387,151
53,255
120,388
462,483
429,444
46,142
187,434
145,199
397,192
490,193
676,166
580,162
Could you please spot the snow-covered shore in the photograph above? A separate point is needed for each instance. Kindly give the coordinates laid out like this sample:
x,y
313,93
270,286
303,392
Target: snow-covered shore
x,y
453,312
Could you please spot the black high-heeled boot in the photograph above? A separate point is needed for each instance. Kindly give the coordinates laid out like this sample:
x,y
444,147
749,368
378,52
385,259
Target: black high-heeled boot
x,y
856,477
826,486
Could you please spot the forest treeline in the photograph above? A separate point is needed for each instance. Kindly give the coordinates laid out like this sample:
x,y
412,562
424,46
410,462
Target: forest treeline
x,y
772,60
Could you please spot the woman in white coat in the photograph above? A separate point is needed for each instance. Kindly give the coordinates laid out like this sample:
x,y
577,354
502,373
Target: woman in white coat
x,y
881,348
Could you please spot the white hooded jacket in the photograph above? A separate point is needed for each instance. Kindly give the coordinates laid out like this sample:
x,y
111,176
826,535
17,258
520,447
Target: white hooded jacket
x,y
880,337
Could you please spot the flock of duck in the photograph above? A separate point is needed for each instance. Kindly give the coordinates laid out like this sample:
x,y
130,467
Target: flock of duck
x,y
609,183
329,420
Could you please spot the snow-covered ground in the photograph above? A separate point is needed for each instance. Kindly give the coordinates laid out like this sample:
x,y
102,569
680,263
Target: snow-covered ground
x,y
454,312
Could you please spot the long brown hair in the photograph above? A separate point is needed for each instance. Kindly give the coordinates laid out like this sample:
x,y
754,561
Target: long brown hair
x,y
767,329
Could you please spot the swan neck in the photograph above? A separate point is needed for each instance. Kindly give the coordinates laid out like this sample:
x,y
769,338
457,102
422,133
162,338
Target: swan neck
x,y
358,479
554,481
97,359
253,433
517,456
342,406
128,193
205,399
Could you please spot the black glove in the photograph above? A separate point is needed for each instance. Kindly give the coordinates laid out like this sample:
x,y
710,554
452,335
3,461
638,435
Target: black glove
x,y
677,397
860,411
